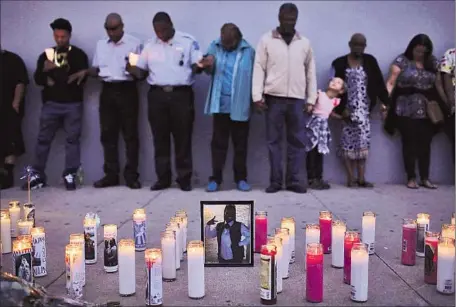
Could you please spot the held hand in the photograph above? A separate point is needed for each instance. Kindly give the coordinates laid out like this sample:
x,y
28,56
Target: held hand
x,y
48,65
308,108
16,105
212,221
260,106
383,111
78,76
206,62
50,82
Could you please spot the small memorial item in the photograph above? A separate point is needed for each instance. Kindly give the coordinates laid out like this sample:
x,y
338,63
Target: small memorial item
x,y
127,268
448,231
195,270
314,272
227,226
111,260
180,235
15,215
422,225
39,251
168,245
78,239
268,275
182,214
5,224
27,238
29,212
284,234
24,227
277,242
368,230
359,276
50,52
431,242
312,235
445,266
289,222
174,227
90,237
133,58
261,230
74,259
154,283
325,220
22,259
139,229
337,243
351,237
408,253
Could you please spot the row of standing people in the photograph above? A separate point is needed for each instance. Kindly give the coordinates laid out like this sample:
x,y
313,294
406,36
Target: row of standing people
x,y
287,94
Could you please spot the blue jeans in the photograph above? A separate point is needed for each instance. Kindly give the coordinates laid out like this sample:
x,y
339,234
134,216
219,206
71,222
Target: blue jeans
x,y
53,116
288,112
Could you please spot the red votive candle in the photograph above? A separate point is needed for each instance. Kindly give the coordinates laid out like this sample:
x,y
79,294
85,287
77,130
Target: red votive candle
x,y
325,231
314,273
261,230
431,242
351,237
408,256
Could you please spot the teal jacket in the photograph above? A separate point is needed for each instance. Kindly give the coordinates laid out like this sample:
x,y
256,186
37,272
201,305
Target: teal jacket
x,y
241,97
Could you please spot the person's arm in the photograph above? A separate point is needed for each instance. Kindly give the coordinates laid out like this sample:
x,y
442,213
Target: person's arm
x,y
94,70
141,70
211,232
395,70
259,71
22,80
40,76
210,51
245,232
446,67
449,88
311,78
382,93
195,56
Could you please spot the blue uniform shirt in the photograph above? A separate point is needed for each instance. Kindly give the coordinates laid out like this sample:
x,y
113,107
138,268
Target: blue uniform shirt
x,y
162,60
110,57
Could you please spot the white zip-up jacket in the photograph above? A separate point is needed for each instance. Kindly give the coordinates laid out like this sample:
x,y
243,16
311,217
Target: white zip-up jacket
x,y
284,70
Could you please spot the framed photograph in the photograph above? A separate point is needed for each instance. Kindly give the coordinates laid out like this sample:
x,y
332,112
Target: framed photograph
x,y
227,232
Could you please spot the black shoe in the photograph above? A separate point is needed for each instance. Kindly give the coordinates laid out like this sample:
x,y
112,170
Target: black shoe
x,y
318,184
134,184
297,189
70,181
7,179
324,185
186,187
158,186
106,181
36,182
273,188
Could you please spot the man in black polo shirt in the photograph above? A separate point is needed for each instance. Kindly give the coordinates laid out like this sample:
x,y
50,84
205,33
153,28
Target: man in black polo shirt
x,y
62,78
14,80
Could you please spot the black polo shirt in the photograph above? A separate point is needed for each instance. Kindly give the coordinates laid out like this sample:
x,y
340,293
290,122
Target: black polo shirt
x,y
13,72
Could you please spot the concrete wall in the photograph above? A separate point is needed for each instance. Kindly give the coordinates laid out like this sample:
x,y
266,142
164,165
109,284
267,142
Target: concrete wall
x,y
328,24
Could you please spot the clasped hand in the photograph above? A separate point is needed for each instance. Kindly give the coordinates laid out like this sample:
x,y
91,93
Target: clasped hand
x,y
206,62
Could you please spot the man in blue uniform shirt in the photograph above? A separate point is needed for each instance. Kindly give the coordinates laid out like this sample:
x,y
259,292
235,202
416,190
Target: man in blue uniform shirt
x,y
171,60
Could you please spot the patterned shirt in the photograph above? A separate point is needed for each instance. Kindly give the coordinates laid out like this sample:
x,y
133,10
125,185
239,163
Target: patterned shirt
x,y
448,62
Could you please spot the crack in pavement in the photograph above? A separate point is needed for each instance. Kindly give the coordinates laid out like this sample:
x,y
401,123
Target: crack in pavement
x,y
380,258
101,241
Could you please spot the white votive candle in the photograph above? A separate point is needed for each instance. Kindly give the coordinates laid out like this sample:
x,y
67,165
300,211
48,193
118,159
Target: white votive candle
x,y
49,54
175,227
277,242
74,257
133,58
39,251
338,230
422,221
368,231
182,214
180,235
312,236
127,268
445,266
15,215
359,279
154,284
284,234
78,239
289,222
168,244
5,223
448,231
195,269
24,227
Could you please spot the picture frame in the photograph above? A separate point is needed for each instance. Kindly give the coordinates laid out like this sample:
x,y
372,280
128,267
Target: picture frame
x,y
240,229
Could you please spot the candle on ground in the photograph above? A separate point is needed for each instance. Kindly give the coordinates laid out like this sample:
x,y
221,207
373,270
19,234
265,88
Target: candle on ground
x,y
284,234
73,258
111,261
154,284
325,230
289,222
180,220
90,237
15,215
29,212
168,245
312,236
359,273
445,268
179,236
78,239
5,224
430,257
195,269
278,245
368,231
22,259
337,243
351,237
422,221
39,251
24,227
175,228
139,229
182,214
261,229
409,233
448,231
127,269
314,273
268,275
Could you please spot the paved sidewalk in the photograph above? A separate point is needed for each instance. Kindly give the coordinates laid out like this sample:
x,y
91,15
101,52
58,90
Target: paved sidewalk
x,y
390,284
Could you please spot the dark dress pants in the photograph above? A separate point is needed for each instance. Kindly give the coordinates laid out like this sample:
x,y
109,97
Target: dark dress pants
x,y
449,131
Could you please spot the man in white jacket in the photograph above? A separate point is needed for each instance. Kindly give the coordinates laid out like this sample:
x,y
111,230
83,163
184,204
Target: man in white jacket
x,y
285,86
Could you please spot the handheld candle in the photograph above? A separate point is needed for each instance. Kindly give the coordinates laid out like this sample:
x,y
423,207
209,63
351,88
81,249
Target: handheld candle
x,y
261,229
325,220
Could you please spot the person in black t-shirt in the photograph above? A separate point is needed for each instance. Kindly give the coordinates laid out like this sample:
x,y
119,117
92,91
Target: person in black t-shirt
x,y
14,80
62,78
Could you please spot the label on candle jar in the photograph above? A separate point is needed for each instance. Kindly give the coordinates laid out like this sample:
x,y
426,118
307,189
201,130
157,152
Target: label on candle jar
x,y
90,238
420,234
39,255
22,264
29,212
430,260
111,260
154,286
268,277
139,231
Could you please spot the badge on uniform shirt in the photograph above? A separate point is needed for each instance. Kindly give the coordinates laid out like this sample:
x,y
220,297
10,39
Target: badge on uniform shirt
x,y
195,45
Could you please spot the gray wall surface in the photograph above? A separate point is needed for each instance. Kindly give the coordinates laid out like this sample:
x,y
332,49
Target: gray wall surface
x,y
388,26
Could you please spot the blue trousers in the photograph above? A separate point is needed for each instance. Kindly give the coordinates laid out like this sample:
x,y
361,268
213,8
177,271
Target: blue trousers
x,y
285,113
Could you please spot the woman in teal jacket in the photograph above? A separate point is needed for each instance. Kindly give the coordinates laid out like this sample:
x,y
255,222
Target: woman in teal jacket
x,y
229,61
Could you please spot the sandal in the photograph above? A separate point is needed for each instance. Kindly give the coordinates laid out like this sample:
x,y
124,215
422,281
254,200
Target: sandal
x,y
428,185
365,184
412,185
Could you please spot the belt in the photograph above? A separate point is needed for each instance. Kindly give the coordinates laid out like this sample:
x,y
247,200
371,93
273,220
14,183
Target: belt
x,y
119,84
170,88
